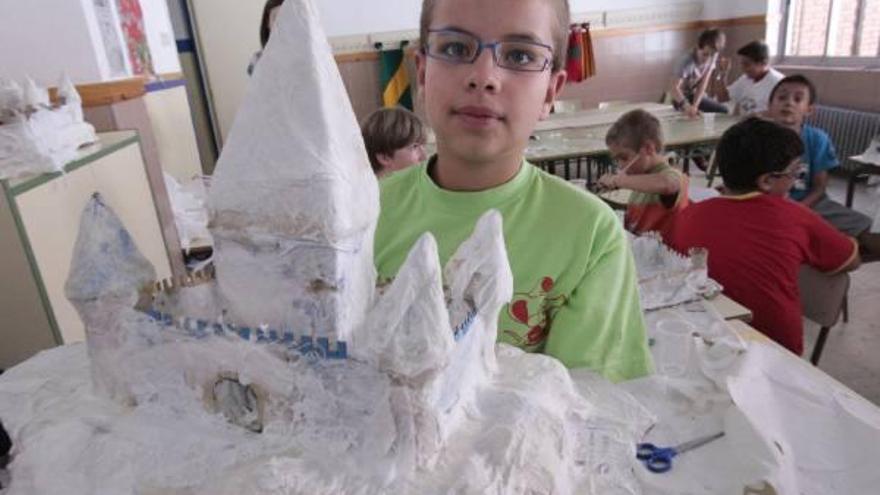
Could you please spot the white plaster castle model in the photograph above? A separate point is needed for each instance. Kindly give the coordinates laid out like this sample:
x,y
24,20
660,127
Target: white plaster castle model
x,y
292,372
36,137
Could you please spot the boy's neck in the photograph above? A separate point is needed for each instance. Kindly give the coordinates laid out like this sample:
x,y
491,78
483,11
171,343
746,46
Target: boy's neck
x,y
458,175
742,193
762,75
796,126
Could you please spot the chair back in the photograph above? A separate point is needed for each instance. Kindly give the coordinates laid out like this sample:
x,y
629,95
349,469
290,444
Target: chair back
x,y
822,295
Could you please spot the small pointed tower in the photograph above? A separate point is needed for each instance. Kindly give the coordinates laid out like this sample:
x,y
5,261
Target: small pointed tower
x,y
107,273
294,202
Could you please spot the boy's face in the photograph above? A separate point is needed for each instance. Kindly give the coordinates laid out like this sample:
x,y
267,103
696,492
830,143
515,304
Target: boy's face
x,y
630,161
753,70
402,158
790,104
482,113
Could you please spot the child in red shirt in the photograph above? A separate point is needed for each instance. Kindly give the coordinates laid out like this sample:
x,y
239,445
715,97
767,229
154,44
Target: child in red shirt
x,y
758,238
635,142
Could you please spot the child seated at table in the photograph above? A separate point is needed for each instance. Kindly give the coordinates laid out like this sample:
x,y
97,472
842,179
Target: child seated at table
x,y
692,74
635,142
791,101
395,139
487,72
757,238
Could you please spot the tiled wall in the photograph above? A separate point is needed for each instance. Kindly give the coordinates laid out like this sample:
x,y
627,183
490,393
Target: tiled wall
x,y
632,65
638,66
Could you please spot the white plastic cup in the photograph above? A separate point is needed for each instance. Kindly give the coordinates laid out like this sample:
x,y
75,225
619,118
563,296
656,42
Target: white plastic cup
x,y
578,183
708,121
673,346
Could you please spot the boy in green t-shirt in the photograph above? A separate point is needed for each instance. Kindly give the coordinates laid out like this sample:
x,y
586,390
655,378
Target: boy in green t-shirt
x,y
487,72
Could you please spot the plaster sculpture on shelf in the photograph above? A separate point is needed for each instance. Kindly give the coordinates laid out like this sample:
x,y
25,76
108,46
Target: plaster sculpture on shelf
x,y
292,371
35,136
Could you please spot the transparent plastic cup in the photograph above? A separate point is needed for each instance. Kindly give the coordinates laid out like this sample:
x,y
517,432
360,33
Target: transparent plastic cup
x,y
579,183
674,341
708,121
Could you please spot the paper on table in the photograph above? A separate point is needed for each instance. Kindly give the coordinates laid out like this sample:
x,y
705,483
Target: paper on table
x,y
833,442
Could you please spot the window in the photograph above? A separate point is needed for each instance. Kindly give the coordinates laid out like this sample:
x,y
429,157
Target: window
x,y
831,31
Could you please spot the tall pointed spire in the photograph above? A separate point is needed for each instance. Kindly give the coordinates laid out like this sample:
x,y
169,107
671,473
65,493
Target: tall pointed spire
x,y
294,202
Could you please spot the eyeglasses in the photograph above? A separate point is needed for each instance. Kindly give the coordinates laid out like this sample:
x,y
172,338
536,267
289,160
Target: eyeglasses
x,y
457,47
792,173
623,167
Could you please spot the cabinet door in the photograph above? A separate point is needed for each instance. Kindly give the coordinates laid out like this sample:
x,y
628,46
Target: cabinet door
x,y
51,212
26,327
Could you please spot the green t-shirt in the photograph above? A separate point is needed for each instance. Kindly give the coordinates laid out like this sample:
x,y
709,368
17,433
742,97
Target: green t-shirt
x,y
575,293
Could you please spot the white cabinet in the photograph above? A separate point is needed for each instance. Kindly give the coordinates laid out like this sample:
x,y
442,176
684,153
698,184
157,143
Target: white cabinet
x,y
39,222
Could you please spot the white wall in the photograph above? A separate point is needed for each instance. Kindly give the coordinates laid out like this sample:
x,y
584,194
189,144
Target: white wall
x,y
347,17
726,9
160,36
42,38
41,45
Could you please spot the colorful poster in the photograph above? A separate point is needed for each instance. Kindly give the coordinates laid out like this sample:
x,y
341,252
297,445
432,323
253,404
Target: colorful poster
x,y
108,26
131,19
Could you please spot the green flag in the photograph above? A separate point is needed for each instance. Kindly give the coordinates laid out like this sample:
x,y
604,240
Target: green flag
x,y
393,78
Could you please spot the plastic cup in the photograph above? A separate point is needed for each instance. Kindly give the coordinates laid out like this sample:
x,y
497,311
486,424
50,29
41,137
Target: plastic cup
x,y
673,346
708,121
579,183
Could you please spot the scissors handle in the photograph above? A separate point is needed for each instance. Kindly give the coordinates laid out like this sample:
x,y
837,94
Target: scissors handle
x,y
656,459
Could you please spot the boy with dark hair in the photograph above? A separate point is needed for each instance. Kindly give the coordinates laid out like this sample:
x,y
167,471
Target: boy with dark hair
x,y
750,93
791,101
756,237
395,139
487,72
635,142
693,72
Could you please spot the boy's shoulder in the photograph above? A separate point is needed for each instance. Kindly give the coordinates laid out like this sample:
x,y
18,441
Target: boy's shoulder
x,y
763,205
565,191
405,178
774,75
813,133
570,204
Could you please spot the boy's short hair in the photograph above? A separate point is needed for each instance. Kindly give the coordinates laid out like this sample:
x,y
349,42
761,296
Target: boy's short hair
x,y
264,23
710,37
797,79
635,128
757,51
389,129
560,33
755,147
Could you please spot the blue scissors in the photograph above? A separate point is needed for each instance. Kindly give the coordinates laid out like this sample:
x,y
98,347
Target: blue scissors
x,y
659,459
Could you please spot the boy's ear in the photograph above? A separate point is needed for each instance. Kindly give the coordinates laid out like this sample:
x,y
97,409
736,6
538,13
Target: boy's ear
x,y
764,183
420,70
554,87
810,108
384,160
648,148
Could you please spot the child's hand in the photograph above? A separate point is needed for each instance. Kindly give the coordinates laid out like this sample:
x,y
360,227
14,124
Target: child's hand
x,y
691,111
608,182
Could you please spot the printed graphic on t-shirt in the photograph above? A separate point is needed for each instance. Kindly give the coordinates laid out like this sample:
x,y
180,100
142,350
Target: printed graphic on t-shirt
x,y
748,105
532,312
